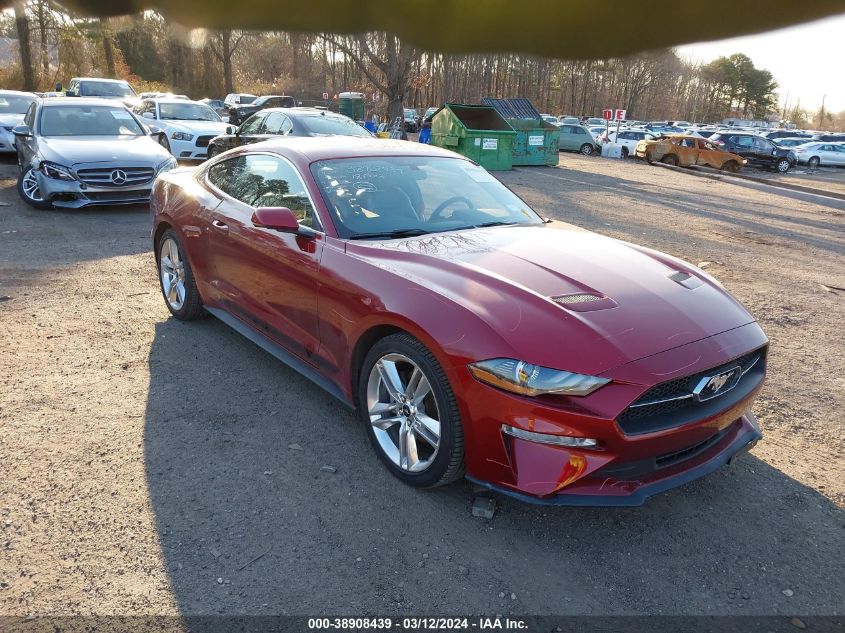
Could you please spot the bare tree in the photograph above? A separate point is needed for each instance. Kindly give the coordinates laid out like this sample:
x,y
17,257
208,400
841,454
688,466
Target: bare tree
x,y
22,24
224,45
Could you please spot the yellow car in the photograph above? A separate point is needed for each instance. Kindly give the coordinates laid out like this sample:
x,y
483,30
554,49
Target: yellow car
x,y
688,150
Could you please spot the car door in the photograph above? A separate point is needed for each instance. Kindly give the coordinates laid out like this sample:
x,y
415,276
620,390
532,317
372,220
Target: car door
x,y
764,150
267,278
26,145
567,137
827,154
838,155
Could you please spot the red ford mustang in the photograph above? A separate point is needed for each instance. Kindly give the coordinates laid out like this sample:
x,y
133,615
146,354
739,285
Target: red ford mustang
x,y
473,337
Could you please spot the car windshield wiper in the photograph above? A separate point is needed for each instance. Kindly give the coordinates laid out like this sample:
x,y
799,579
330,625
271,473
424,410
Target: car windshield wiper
x,y
389,234
493,223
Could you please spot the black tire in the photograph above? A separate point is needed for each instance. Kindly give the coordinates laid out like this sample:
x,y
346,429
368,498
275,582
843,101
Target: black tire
x,y
670,159
212,152
782,166
448,463
162,140
31,199
731,166
813,163
649,158
191,307
587,149
625,152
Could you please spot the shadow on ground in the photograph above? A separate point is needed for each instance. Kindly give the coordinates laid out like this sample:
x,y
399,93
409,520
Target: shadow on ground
x,y
250,524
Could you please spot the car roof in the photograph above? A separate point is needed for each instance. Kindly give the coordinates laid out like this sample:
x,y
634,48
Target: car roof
x,y
112,81
304,111
172,100
310,149
82,101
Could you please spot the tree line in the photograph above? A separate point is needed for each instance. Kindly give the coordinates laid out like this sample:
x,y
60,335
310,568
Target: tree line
x,y
154,54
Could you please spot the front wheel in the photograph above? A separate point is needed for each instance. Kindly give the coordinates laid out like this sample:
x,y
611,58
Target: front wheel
x,y
625,153
162,140
176,278
670,159
731,166
782,166
410,412
29,190
587,149
212,151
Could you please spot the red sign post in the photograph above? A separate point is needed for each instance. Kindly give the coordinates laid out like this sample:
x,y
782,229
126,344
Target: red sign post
x,y
619,115
607,115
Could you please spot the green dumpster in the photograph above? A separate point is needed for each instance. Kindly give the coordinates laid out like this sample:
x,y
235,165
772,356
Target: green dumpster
x,y
476,131
536,142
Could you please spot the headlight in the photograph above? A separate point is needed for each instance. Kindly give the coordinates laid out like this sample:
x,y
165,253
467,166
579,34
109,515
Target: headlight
x,y
182,136
531,380
54,170
166,165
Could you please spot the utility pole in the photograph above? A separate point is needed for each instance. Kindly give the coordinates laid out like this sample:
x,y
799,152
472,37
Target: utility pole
x,y
821,112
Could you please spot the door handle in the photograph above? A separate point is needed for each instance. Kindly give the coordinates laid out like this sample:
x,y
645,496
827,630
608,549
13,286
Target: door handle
x,y
220,225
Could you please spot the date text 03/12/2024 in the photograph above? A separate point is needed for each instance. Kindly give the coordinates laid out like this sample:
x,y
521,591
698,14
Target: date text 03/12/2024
x,y
418,624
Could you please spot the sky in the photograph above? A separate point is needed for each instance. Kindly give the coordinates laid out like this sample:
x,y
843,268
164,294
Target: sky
x,y
806,60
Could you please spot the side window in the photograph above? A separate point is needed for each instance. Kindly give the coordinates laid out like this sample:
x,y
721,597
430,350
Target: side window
x,y
29,119
222,174
743,141
763,145
826,148
274,123
578,130
262,180
286,127
253,124
568,129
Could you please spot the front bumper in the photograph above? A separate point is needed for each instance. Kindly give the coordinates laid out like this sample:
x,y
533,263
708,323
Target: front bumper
x,y
633,460
72,194
609,491
188,150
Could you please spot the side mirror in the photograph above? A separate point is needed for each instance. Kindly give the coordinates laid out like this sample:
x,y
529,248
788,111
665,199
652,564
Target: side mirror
x,y
231,129
69,93
59,87
22,130
281,219
154,129
276,218
148,115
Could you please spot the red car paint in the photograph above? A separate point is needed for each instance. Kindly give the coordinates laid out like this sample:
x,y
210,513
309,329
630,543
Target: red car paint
x,y
477,294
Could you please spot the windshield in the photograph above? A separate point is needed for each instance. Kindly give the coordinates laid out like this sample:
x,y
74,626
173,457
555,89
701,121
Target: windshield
x,y
186,112
14,104
383,197
340,125
72,120
105,89
244,99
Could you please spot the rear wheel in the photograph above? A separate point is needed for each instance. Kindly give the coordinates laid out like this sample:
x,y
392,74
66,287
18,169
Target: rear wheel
x,y
176,278
410,413
29,191
813,163
587,149
731,166
782,166
624,152
670,159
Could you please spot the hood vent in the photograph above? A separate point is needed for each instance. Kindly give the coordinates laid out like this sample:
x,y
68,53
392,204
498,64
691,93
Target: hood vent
x,y
685,279
581,297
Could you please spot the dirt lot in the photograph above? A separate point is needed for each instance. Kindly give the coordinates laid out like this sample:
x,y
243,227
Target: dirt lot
x,y
145,464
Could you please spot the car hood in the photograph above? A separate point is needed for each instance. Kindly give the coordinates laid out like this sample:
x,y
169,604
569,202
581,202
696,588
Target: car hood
x,y
195,127
507,275
11,120
72,150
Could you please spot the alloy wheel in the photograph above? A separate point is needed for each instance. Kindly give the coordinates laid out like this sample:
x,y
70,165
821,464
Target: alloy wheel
x,y
172,271
403,412
30,187
783,166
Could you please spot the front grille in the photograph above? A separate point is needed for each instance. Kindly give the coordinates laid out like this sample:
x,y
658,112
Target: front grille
x,y
140,195
102,176
671,403
203,141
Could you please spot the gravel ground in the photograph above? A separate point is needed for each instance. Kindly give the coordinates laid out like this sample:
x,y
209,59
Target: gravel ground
x,y
156,467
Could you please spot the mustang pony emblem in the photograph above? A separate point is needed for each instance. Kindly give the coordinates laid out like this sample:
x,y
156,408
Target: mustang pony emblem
x,y
718,384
